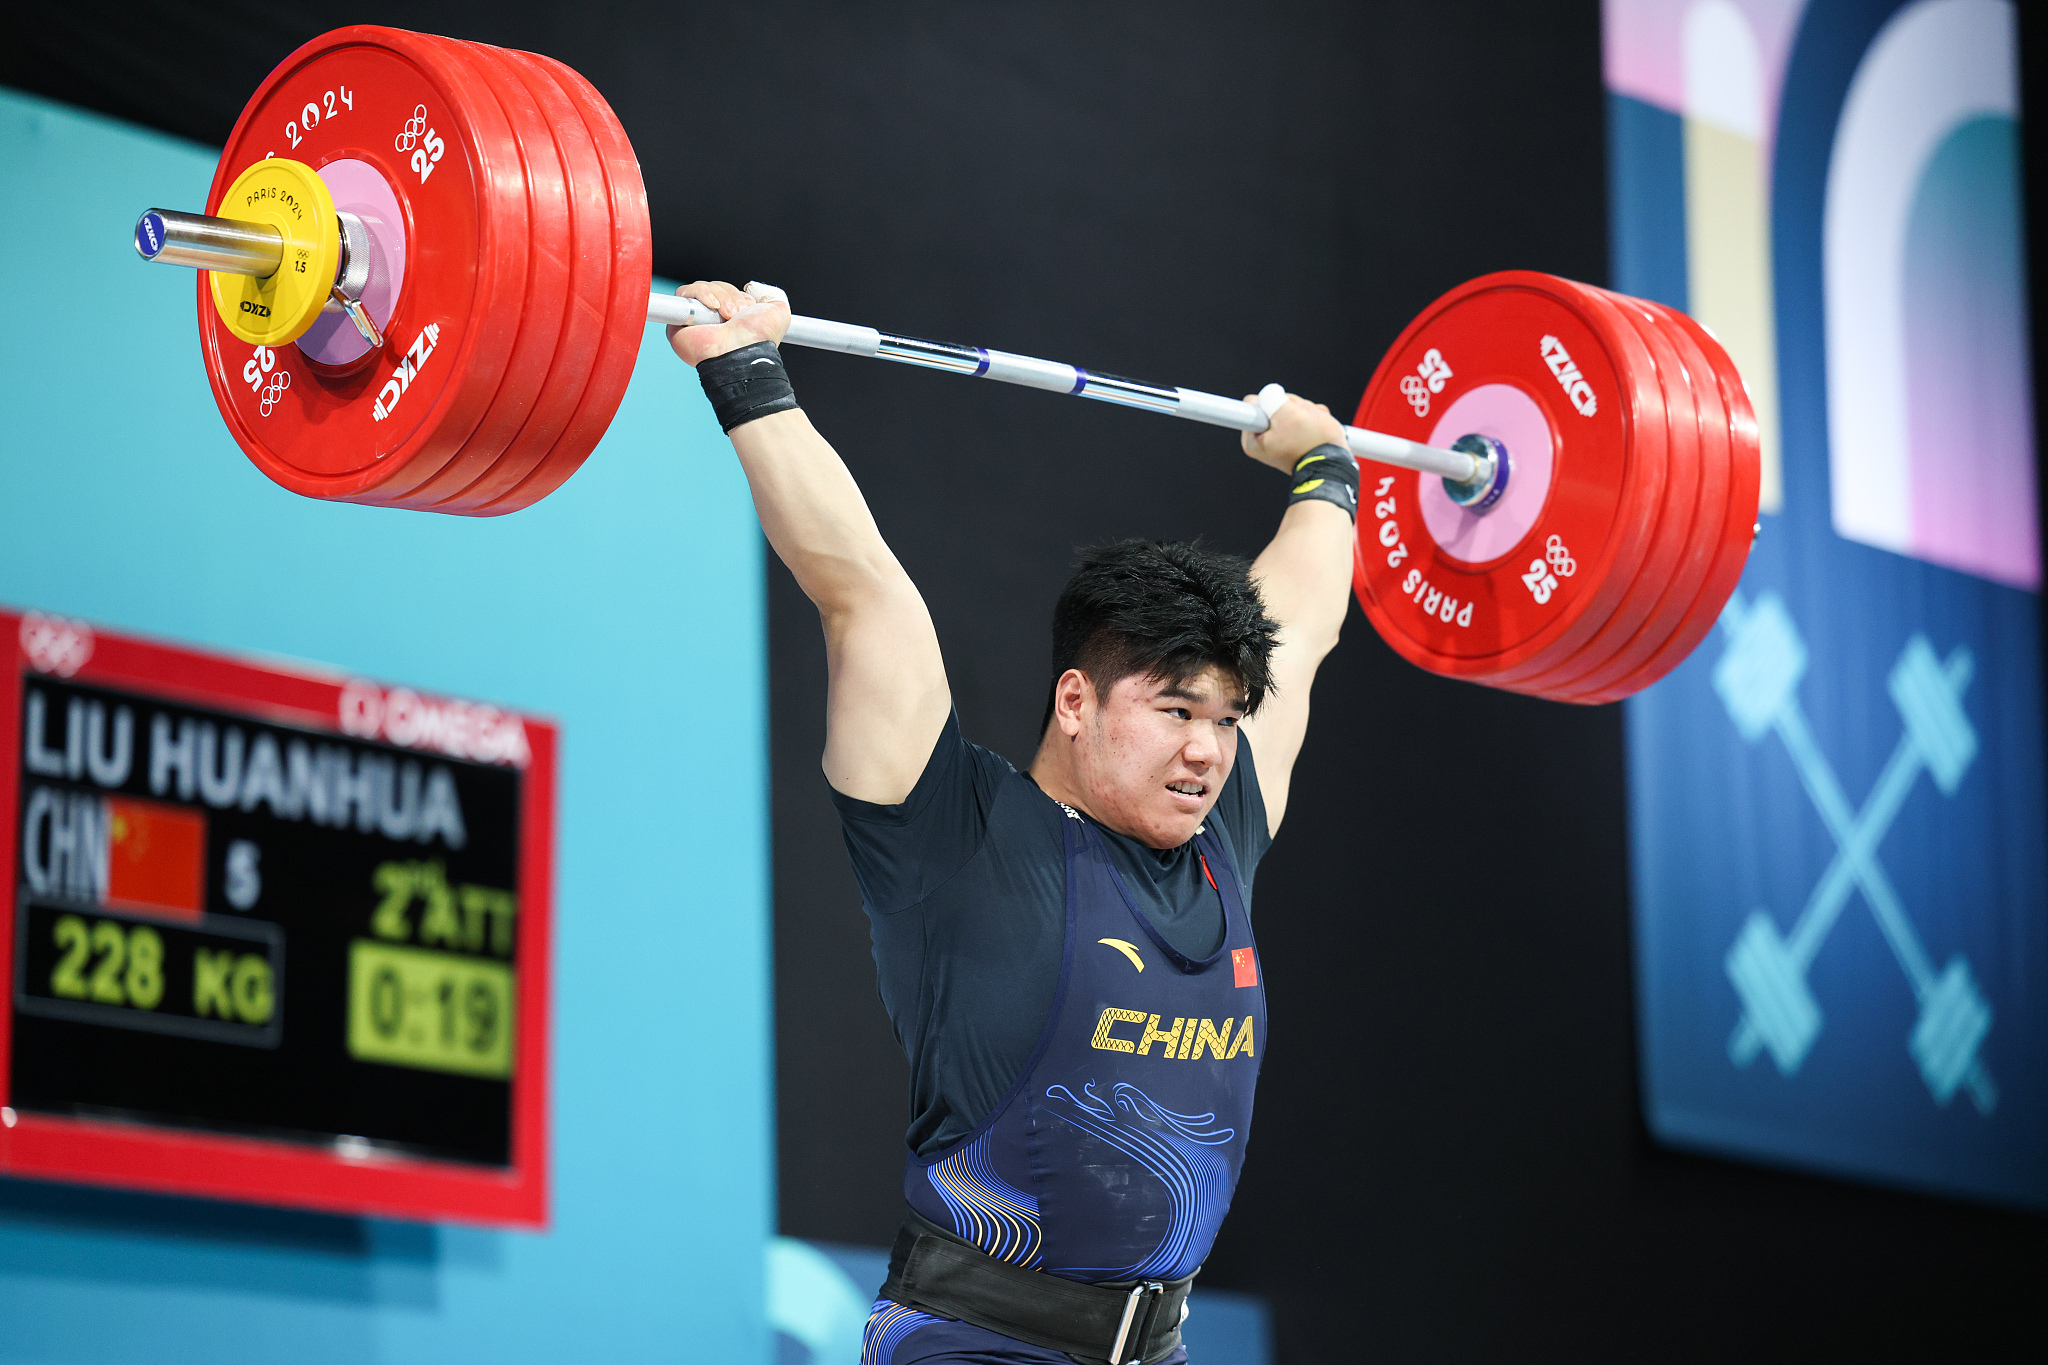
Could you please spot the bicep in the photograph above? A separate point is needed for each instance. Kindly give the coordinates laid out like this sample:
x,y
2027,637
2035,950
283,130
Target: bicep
x,y
888,693
887,698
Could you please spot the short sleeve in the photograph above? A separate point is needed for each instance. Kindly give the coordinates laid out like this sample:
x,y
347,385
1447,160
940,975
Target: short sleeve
x,y
1241,810
901,853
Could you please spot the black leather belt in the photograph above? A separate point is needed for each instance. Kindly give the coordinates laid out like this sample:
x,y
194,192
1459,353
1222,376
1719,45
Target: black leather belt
x,y
1121,1323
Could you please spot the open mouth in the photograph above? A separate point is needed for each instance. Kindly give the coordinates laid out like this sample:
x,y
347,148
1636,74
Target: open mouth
x,y
1188,791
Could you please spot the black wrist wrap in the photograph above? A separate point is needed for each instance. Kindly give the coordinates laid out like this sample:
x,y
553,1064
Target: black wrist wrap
x,y
1328,473
750,383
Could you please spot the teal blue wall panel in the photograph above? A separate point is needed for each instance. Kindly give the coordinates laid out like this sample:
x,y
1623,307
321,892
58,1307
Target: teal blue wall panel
x,y
628,606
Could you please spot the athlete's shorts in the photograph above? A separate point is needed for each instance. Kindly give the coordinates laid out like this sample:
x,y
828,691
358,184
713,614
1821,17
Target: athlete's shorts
x,y
903,1336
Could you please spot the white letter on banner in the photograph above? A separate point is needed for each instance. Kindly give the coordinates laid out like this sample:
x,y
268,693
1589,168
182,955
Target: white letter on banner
x,y
34,864
39,757
263,780
305,789
441,813
398,803
109,770
165,756
356,785
220,783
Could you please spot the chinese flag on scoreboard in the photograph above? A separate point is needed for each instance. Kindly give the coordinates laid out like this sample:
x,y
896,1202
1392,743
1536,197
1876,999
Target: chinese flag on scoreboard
x,y
156,858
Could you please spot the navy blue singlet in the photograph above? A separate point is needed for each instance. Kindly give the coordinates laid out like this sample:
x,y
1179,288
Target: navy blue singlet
x,y
1115,1154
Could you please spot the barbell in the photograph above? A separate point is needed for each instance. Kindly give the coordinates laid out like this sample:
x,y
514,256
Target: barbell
x,y
427,263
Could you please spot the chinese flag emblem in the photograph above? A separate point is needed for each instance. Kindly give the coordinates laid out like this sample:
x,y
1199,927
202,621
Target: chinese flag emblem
x,y
156,858
1245,965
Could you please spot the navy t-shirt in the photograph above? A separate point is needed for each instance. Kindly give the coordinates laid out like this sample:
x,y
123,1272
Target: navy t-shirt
x,y
965,888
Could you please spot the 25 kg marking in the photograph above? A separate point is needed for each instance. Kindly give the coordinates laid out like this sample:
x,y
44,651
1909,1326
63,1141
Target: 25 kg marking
x,y
430,149
261,363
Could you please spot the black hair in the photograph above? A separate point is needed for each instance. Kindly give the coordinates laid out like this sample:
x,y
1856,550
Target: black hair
x,y
1164,610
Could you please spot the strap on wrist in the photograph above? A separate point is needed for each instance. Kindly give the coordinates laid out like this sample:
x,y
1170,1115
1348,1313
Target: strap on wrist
x,y
1329,473
746,384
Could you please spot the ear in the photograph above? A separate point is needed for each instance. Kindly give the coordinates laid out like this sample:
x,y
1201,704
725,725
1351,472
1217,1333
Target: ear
x,y
1073,698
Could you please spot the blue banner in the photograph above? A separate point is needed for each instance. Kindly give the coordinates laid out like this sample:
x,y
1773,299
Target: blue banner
x,y
1838,812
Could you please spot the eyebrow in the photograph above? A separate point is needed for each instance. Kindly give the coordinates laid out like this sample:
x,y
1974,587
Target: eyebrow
x,y
1180,693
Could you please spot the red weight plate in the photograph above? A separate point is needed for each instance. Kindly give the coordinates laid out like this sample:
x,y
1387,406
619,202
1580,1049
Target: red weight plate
x,y
1745,475
1523,358
632,277
1670,520
1627,672
1633,631
384,105
537,170
1681,588
1645,478
587,248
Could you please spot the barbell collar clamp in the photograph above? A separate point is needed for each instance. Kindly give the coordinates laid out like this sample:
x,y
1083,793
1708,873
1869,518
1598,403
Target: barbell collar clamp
x,y
357,314
234,247
1478,494
353,277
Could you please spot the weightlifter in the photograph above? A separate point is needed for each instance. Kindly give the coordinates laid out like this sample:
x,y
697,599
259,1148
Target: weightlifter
x,y
1066,952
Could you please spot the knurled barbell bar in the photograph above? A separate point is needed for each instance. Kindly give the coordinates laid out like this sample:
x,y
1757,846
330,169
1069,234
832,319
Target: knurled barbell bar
x,y
433,299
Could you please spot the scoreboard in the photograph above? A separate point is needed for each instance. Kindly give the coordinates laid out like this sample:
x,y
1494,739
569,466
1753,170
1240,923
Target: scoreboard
x,y
270,934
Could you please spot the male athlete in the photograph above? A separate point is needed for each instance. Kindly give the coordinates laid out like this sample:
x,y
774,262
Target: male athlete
x,y
1066,952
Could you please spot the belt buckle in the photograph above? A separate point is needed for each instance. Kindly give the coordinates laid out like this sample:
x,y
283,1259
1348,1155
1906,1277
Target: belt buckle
x,y
1123,1331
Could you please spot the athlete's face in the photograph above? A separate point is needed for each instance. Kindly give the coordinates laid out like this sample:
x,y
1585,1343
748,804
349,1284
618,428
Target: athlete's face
x,y
1151,756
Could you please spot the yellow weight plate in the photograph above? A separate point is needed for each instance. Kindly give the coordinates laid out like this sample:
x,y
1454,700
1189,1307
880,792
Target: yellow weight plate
x,y
289,196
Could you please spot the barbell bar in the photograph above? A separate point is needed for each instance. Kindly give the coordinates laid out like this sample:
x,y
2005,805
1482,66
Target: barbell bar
x,y
251,249
1472,472
1559,484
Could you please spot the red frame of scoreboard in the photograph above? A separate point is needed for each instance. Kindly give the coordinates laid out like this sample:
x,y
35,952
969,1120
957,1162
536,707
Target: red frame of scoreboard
x,y
145,1156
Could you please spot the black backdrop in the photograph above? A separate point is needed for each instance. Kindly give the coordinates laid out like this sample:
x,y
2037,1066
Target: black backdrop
x,y
1449,1163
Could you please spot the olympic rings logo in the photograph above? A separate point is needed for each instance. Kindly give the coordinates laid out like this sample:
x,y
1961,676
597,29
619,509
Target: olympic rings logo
x,y
282,380
55,645
1418,397
414,126
1561,562
1557,562
1430,377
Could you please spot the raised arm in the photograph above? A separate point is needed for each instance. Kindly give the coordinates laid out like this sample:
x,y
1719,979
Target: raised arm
x,y
888,697
1305,577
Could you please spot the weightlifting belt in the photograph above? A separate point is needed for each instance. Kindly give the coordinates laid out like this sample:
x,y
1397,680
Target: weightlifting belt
x,y
1120,1323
